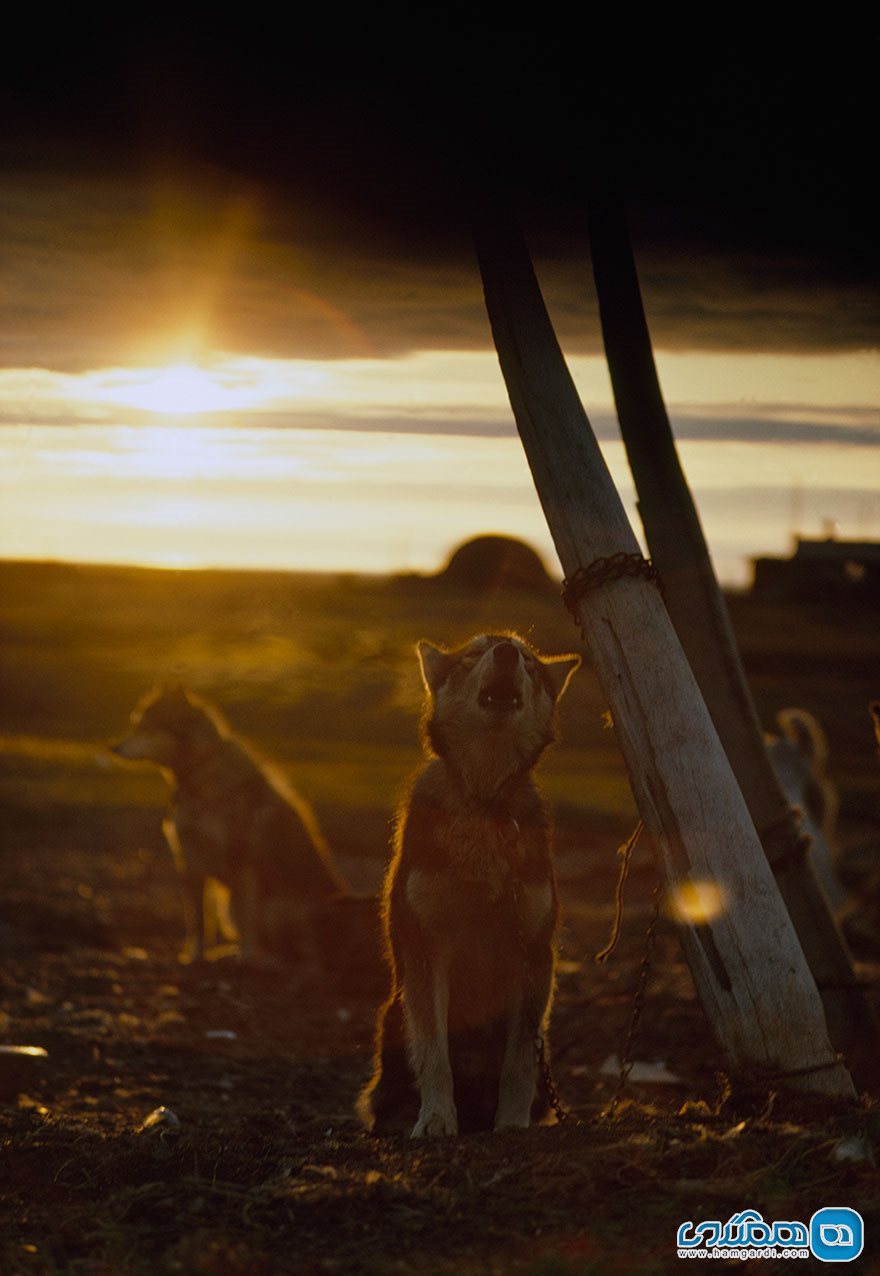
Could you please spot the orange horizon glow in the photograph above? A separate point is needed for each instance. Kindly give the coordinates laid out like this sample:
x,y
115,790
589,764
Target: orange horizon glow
x,y
830,386
385,464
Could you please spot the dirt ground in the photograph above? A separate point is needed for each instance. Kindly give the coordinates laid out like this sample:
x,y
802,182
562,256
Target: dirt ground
x,y
257,1164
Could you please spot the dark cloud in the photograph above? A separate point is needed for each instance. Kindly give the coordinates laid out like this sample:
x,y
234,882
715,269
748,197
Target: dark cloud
x,y
296,199
852,427
846,427
108,269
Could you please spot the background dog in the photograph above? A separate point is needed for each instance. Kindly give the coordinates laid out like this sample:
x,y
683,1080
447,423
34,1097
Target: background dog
x,y
799,755
234,823
470,906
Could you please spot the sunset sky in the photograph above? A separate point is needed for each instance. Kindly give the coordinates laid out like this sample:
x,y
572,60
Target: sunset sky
x,y
243,325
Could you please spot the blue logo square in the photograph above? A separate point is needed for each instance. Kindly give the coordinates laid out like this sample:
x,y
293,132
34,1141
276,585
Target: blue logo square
x,y
837,1234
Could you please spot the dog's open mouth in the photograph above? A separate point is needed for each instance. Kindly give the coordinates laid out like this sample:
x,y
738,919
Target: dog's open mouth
x,y
501,695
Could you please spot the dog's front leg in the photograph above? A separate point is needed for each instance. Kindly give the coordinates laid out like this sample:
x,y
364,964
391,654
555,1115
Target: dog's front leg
x,y
516,1091
194,886
192,889
249,905
527,1021
218,910
426,1008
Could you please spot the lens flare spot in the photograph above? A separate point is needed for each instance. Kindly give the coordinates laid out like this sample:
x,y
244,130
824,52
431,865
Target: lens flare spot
x,y
696,902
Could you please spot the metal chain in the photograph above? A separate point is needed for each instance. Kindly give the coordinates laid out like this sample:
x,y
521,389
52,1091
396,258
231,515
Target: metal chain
x,y
626,1054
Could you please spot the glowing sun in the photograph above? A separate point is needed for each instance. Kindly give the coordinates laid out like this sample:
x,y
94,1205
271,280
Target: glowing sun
x,y
181,390
191,389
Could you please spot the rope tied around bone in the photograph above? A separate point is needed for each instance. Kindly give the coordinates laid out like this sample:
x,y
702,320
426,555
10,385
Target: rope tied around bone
x,y
574,590
602,570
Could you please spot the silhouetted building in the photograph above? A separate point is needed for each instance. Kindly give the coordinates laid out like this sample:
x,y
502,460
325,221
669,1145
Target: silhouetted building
x,y
821,570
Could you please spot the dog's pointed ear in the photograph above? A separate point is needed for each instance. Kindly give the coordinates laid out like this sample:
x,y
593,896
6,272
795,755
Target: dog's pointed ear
x,y
171,688
171,685
559,670
433,664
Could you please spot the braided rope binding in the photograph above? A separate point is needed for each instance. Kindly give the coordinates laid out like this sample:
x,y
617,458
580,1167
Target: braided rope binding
x,y
602,570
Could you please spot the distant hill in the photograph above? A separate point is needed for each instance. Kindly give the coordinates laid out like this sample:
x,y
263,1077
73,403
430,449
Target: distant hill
x,y
493,562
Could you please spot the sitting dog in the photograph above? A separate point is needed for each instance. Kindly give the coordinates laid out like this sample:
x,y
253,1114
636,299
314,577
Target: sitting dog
x,y
235,830
860,920
799,756
470,906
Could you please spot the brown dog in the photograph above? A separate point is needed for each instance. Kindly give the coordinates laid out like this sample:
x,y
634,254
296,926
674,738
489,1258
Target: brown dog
x,y
470,905
233,822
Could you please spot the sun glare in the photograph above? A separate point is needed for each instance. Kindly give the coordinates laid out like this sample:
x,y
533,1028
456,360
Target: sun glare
x,y
181,390
166,452
188,388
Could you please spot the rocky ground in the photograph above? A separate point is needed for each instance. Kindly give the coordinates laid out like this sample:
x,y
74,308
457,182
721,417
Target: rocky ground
x,y
198,1119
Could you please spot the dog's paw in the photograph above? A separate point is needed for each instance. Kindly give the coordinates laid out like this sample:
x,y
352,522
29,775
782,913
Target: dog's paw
x,y
512,1121
431,1123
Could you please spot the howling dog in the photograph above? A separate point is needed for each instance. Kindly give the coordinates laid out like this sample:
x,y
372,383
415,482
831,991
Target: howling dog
x,y
234,823
470,907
